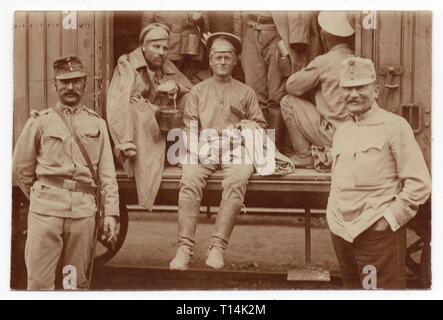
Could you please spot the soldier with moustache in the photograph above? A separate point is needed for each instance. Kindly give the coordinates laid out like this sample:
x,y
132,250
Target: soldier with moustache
x,y
50,169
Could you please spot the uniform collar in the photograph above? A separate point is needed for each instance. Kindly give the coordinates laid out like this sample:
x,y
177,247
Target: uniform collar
x,y
340,46
69,110
137,60
373,116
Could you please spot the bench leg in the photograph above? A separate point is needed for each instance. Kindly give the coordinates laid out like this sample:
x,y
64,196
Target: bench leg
x,y
308,238
308,273
208,212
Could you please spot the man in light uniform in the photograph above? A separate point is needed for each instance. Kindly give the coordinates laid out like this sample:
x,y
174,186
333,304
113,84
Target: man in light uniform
x,y
50,169
379,178
215,103
315,124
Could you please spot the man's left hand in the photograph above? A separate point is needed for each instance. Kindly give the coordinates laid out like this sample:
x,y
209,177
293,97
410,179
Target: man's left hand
x,y
110,229
380,225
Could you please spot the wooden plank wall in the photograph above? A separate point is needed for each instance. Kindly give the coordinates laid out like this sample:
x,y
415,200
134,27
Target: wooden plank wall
x,y
39,39
403,38
421,84
400,38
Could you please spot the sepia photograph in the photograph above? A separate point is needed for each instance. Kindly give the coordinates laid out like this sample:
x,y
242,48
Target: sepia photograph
x,y
221,150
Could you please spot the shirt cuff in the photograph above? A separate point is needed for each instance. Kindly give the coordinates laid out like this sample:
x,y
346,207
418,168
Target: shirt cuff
x,y
390,218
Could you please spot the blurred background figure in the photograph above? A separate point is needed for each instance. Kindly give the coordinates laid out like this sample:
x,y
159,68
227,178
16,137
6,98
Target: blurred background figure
x,y
275,45
185,46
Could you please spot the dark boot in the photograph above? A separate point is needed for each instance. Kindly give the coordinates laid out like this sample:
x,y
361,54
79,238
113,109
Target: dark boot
x,y
188,211
305,162
275,121
224,225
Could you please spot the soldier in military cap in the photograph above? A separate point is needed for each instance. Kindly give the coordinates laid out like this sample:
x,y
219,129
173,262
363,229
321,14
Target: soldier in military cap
x,y
379,178
186,30
215,103
314,124
50,169
134,101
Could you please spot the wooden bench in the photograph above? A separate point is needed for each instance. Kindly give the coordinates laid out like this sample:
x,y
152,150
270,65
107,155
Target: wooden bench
x,y
303,189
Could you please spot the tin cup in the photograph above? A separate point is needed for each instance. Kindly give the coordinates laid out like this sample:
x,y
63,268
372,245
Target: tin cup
x,y
190,44
169,119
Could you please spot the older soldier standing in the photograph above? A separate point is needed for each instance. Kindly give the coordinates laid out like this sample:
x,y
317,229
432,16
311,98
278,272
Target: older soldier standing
x,y
315,124
379,178
52,172
133,103
215,103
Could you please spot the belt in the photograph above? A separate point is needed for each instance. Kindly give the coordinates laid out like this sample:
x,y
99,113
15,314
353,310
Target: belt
x,y
260,19
68,184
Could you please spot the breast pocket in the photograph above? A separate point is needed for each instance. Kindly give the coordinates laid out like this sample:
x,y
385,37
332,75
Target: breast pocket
x,y
92,140
368,162
53,143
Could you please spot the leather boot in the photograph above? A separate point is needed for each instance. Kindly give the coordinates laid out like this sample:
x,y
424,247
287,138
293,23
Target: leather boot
x,y
275,121
305,162
188,211
224,225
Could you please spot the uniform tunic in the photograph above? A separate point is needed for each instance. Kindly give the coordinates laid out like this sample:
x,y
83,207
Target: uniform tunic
x,y
46,148
217,106
323,75
378,171
310,124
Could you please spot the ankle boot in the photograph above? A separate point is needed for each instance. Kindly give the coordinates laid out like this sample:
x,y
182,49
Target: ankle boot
x,y
302,162
224,225
188,211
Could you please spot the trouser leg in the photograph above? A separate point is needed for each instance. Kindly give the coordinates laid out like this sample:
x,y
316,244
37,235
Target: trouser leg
x,y
192,183
305,125
275,81
254,66
263,75
77,254
346,260
234,189
375,260
276,84
385,251
44,245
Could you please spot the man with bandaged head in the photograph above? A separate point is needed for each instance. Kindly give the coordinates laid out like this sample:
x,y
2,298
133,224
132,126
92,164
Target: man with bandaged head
x,y
216,103
134,101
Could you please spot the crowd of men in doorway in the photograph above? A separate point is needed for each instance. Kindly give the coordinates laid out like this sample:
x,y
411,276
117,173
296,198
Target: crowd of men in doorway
x,y
313,101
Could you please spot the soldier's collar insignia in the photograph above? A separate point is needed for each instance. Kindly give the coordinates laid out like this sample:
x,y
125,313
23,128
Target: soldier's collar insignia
x,y
69,110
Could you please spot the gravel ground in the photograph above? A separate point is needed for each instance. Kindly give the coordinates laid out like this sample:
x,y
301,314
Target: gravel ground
x,y
258,243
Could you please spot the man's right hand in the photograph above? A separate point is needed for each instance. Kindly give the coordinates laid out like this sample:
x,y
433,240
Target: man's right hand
x,y
129,152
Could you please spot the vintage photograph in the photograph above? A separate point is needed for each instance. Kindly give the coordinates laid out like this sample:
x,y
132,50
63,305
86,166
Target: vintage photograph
x,y
221,150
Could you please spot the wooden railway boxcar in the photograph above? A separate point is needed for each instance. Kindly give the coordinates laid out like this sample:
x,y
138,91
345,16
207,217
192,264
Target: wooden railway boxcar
x,y
399,43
